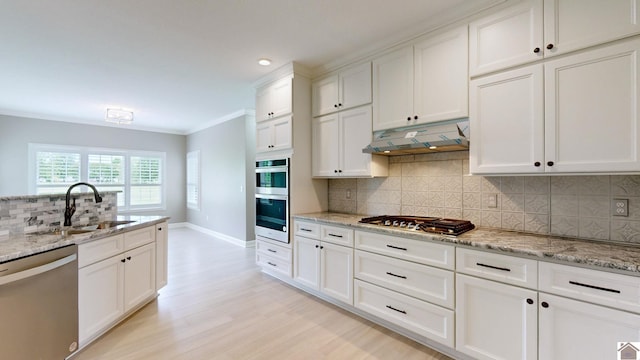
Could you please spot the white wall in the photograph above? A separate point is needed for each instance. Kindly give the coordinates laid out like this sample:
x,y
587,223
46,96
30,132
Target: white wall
x,y
227,155
17,132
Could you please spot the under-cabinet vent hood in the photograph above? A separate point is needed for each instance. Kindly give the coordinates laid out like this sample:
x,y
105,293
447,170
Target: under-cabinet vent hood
x,y
420,139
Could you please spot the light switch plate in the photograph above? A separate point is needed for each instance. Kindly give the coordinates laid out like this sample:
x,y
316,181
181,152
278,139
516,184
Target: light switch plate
x,y
620,207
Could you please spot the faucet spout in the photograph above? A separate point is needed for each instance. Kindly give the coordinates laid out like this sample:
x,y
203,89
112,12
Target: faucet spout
x,y
69,209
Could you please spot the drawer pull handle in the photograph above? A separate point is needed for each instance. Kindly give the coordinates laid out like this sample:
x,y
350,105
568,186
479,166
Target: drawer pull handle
x,y
493,267
392,308
395,247
399,276
594,287
334,235
270,263
271,250
303,229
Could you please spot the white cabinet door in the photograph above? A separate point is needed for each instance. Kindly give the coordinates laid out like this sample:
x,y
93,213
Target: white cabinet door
x,y
100,296
591,110
274,135
494,320
393,90
355,87
507,122
162,251
325,95
507,38
306,262
571,329
336,271
281,97
326,145
140,275
355,135
441,77
574,24
274,100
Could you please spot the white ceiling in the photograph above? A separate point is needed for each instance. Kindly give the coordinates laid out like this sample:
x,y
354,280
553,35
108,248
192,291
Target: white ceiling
x,y
184,65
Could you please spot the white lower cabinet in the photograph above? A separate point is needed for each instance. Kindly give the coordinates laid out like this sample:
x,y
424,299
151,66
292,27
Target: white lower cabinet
x,y
431,321
326,265
571,329
162,255
111,286
494,320
275,258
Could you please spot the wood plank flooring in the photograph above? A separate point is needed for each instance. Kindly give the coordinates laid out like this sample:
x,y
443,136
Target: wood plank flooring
x,y
218,305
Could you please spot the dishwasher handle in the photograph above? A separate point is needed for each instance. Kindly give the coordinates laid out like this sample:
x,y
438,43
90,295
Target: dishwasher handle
x,y
37,270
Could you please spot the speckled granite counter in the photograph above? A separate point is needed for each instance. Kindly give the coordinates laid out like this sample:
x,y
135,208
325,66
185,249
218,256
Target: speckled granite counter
x,y
17,246
616,257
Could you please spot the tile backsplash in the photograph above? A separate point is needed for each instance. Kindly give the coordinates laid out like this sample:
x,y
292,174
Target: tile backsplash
x,y
437,185
24,214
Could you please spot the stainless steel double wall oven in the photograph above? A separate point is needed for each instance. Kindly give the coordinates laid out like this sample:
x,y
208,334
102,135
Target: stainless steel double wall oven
x,y
272,199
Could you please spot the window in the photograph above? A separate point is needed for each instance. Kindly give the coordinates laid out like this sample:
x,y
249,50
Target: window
x,y
139,176
193,180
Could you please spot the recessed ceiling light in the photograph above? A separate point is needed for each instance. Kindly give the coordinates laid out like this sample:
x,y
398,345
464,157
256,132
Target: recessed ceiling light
x,y
264,62
119,116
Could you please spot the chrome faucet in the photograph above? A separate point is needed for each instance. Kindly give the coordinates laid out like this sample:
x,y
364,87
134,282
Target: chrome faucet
x,y
69,210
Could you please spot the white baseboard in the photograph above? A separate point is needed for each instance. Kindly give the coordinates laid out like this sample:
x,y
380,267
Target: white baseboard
x,y
217,235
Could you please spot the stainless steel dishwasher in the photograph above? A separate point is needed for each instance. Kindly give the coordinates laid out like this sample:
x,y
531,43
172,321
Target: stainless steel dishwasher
x,y
39,306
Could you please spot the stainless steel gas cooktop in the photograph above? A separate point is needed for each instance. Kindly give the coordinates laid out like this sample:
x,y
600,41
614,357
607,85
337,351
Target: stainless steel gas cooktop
x,y
428,224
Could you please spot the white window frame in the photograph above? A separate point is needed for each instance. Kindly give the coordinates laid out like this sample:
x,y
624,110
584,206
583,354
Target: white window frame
x,y
84,170
193,180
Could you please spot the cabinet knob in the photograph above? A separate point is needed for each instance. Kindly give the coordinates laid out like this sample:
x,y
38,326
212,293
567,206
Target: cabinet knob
x,y
335,105
339,104
550,46
536,50
549,163
544,304
159,229
339,171
335,171
123,260
536,164
529,301
415,117
409,118
321,247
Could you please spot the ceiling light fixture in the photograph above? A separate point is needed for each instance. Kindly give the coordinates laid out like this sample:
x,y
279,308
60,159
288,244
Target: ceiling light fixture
x,y
119,116
264,62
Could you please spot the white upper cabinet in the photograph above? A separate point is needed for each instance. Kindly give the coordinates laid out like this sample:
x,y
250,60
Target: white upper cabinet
x,y
441,77
345,90
534,29
274,100
423,83
584,121
274,135
337,143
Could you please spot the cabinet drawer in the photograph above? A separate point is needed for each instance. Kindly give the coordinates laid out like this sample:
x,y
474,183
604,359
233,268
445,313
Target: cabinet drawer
x,y
336,235
94,251
135,238
423,252
307,229
503,268
421,281
425,319
270,263
274,251
615,290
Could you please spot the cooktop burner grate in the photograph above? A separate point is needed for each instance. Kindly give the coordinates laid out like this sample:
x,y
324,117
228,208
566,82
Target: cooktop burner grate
x,y
428,224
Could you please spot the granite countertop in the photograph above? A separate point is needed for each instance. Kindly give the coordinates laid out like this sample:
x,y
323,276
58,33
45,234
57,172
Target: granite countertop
x,y
17,246
609,256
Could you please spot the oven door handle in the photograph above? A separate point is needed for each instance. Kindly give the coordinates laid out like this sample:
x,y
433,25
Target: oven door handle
x,y
273,197
36,270
272,169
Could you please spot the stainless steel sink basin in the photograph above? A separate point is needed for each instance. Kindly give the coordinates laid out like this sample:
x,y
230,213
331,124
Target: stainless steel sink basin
x,y
63,232
107,224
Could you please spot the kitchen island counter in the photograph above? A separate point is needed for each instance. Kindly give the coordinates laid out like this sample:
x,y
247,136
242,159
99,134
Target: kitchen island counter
x,y
21,245
618,257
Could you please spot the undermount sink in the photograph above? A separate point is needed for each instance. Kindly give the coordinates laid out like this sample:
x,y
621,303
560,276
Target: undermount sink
x,y
63,232
106,224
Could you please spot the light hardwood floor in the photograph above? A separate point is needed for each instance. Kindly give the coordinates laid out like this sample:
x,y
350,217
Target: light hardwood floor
x,y
218,305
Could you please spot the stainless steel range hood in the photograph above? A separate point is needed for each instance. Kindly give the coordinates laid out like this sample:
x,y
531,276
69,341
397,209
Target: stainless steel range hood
x,y
420,139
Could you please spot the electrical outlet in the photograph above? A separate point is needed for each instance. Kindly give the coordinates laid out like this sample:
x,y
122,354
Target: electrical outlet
x,y
620,207
492,201
348,194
